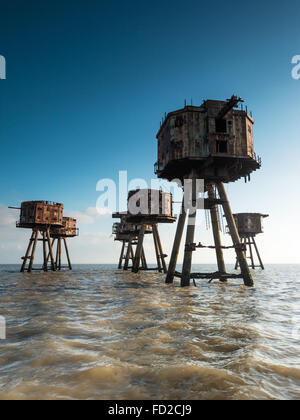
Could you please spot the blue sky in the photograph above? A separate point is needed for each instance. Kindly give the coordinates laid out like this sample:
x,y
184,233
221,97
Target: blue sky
x,y
88,82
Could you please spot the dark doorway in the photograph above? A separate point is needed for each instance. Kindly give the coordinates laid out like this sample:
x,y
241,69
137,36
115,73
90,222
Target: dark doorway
x,y
222,147
221,126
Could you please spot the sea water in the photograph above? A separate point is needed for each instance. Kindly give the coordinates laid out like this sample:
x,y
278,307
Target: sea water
x,y
101,333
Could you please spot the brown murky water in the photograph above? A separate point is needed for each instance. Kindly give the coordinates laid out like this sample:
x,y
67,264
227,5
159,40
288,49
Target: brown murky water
x,y
102,334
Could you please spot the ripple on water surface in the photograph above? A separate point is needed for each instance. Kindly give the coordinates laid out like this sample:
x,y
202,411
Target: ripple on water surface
x,y
100,333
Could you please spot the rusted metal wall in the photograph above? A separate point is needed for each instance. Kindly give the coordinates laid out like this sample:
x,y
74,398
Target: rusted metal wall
x,y
249,223
68,230
192,132
40,213
125,231
152,202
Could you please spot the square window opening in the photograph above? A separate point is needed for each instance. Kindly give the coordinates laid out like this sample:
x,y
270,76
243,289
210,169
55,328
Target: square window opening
x,y
221,126
222,147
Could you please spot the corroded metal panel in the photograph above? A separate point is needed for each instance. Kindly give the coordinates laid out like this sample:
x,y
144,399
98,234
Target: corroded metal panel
x,y
250,223
35,213
198,133
150,203
125,231
68,230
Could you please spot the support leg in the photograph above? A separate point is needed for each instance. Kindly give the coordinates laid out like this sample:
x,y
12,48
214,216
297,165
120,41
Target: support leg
x,y
248,281
33,251
188,253
45,265
57,255
236,264
160,249
67,253
216,231
251,253
144,261
138,252
121,256
28,252
59,258
131,253
52,246
53,267
243,241
258,255
190,233
159,266
176,245
129,250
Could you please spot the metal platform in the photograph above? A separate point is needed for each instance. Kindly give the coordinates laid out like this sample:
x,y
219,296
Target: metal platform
x,y
213,168
150,219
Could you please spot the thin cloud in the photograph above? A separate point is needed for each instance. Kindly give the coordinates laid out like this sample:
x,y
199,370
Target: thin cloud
x,y
98,212
89,215
8,217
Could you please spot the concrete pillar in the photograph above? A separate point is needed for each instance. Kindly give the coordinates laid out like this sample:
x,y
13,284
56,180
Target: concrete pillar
x,y
216,231
160,249
129,250
188,253
248,281
33,251
176,245
68,255
45,264
258,255
121,256
28,252
139,249
53,267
